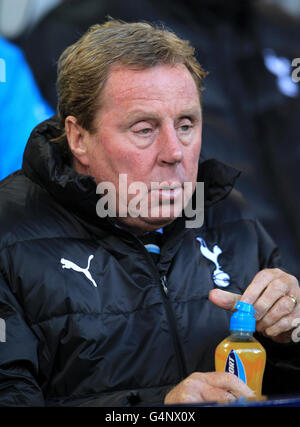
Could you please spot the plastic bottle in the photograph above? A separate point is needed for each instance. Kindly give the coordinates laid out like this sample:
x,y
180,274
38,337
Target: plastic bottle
x,y
240,353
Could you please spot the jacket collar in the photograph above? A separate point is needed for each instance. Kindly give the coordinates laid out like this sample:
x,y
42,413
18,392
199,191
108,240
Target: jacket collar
x,y
44,163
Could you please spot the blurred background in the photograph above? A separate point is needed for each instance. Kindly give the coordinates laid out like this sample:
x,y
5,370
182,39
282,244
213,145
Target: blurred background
x,y
251,103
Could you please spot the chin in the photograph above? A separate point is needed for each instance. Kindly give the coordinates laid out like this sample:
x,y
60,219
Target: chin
x,y
142,225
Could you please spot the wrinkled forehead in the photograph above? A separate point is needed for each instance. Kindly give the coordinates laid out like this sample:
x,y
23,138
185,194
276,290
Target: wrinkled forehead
x,y
160,81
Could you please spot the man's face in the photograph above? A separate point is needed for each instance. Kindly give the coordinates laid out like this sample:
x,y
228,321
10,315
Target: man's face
x,y
149,128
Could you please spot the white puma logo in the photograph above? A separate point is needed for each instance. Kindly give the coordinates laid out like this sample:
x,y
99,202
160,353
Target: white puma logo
x,y
219,276
70,265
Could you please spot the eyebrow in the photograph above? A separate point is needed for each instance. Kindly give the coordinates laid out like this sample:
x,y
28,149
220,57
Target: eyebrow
x,y
193,112
140,115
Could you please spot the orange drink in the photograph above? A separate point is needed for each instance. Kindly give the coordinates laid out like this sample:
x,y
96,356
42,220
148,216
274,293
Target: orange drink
x,y
240,353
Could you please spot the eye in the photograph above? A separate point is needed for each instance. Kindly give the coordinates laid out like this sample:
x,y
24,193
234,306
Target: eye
x,y
142,128
145,131
185,128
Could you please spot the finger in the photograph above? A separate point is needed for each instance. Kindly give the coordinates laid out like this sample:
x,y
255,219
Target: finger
x,y
201,386
274,292
283,338
261,280
283,325
278,284
195,389
213,394
224,299
282,307
231,383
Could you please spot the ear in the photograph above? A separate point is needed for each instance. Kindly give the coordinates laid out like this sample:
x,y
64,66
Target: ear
x,y
78,139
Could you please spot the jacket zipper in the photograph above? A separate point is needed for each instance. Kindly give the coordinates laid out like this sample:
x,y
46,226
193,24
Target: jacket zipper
x,y
163,281
174,333
170,316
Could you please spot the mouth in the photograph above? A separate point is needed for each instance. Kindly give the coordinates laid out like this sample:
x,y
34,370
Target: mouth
x,y
169,193
166,185
167,190
170,185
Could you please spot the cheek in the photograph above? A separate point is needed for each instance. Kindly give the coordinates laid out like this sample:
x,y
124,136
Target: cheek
x,y
115,161
191,164
132,164
126,159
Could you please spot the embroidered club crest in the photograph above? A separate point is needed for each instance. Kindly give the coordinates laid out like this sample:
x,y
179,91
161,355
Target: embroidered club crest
x,y
220,278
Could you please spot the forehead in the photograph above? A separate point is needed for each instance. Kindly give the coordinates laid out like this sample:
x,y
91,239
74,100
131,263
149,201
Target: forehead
x,y
163,83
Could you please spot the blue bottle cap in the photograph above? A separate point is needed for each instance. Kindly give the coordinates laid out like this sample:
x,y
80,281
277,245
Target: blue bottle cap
x,y
243,319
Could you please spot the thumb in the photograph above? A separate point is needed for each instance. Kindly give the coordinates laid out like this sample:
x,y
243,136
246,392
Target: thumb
x,y
224,299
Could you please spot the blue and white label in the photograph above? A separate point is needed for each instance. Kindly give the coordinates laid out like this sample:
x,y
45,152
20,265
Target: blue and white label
x,y
235,366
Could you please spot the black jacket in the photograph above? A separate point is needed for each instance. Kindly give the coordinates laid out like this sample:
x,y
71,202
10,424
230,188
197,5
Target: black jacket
x,y
250,122
114,334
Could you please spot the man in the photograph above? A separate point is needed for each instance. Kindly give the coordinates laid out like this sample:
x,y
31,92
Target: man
x,y
90,316
251,118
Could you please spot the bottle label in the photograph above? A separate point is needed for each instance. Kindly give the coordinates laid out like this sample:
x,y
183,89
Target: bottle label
x,y
235,366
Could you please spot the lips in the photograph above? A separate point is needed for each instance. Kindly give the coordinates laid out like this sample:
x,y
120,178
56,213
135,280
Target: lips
x,y
165,185
168,192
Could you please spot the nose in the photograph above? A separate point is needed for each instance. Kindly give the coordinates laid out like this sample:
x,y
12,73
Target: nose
x,y
170,147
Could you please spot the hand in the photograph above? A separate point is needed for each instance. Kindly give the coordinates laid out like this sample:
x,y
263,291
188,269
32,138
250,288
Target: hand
x,y
269,293
208,387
